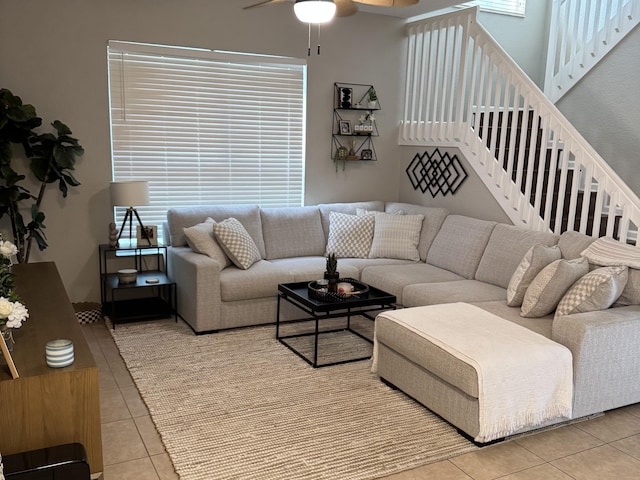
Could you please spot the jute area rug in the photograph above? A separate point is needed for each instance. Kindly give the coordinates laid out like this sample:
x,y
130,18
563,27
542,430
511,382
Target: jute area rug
x,y
240,405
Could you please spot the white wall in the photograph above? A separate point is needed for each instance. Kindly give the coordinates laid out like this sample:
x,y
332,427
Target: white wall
x,y
53,55
605,108
524,39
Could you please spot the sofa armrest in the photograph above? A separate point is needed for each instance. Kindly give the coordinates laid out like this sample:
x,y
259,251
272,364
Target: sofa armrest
x,y
197,280
606,363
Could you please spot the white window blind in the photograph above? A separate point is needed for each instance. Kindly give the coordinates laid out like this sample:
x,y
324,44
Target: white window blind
x,y
507,7
206,128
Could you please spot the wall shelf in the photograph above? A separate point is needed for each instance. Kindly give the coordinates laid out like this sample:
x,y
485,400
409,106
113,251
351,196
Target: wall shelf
x,y
354,125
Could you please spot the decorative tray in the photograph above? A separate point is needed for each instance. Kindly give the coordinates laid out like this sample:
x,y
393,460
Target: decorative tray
x,y
320,292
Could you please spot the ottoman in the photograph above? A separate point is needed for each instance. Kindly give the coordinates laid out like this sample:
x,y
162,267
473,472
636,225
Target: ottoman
x,y
485,375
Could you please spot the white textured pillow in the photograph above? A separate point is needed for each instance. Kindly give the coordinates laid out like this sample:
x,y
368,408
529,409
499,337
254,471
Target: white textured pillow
x,y
536,258
201,240
350,235
236,243
609,252
597,290
550,285
396,236
362,211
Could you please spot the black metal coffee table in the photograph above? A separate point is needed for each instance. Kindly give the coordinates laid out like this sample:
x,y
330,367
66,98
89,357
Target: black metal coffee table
x,y
297,294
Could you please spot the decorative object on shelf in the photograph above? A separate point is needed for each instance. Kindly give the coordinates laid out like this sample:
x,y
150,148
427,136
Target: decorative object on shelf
x,y
130,194
113,234
366,154
331,272
342,152
59,353
50,158
127,275
373,98
436,172
345,127
345,97
148,233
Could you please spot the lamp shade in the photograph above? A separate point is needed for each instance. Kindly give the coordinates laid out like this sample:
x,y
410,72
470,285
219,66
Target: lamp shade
x,y
130,194
314,11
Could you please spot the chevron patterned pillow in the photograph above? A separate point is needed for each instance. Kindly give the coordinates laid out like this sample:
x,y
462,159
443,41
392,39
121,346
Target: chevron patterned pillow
x,y
597,290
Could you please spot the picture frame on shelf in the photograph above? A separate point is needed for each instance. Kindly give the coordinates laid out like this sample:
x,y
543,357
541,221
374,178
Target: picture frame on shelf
x,y
152,235
345,127
366,154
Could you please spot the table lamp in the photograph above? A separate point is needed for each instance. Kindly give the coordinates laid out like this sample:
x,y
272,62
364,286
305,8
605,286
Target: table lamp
x,y
130,194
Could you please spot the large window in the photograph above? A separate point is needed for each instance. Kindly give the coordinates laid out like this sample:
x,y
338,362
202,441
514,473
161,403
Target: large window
x,y
507,7
206,127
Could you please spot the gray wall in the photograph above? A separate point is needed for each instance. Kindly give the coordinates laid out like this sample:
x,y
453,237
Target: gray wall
x,y
53,55
605,108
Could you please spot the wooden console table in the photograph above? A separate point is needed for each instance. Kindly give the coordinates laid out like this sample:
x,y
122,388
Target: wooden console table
x,y
47,406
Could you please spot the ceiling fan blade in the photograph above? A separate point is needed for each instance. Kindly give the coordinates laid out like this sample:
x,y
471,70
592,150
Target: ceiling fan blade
x,y
345,8
263,3
388,3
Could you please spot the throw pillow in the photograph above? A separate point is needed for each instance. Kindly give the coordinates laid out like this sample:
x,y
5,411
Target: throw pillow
x,y
396,236
536,258
350,235
550,285
362,211
236,243
597,290
610,253
201,240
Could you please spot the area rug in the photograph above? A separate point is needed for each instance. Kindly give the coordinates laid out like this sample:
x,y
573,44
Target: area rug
x,y
240,405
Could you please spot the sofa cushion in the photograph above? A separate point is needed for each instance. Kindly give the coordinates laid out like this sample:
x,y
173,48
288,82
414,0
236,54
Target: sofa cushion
x,y
236,243
292,232
394,278
202,240
433,219
459,245
419,294
312,268
540,325
609,252
260,281
181,217
350,208
597,290
350,235
396,236
505,250
631,293
573,243
538,257
550,285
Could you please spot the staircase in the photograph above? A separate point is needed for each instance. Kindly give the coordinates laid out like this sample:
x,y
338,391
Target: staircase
x,y
463,90
582,33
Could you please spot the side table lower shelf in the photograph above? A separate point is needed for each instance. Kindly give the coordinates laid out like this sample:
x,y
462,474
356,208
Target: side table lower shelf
x,y
161,303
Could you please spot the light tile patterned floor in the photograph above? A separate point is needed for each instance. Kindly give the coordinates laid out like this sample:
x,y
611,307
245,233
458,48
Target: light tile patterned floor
x,y
606,447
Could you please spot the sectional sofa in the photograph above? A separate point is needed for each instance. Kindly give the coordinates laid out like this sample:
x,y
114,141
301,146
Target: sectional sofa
x,y
456,259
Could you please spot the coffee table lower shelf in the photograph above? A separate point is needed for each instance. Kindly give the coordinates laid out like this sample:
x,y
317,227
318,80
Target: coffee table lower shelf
x,y
320,311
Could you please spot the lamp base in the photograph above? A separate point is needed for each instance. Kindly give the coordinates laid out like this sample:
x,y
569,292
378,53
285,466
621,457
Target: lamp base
x,y
129,216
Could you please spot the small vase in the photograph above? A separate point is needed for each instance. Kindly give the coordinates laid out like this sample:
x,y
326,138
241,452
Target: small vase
x,y
333,281
7,334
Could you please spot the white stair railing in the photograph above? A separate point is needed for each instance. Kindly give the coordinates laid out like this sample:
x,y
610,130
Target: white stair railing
x,y
462,89
582,32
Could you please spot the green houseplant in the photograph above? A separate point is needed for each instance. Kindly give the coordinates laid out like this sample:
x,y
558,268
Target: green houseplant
x,y
50,158
331,272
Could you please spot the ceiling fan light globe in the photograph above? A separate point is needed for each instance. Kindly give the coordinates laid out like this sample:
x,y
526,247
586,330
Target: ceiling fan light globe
x,y
314,11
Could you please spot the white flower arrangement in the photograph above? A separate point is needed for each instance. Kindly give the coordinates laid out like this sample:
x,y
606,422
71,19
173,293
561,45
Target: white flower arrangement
x,y
367,116
12,314
7,249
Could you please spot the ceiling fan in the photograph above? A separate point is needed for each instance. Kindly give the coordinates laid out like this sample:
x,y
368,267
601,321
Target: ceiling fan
x,y
345,8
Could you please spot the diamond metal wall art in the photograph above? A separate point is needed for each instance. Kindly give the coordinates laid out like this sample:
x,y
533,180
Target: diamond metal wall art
x,y
436,172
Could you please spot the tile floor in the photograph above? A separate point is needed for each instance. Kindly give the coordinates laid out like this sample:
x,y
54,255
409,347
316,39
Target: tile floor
x,y
603,448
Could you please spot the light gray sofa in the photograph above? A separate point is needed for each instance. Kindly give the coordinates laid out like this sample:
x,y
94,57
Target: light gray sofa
x,y
462,259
